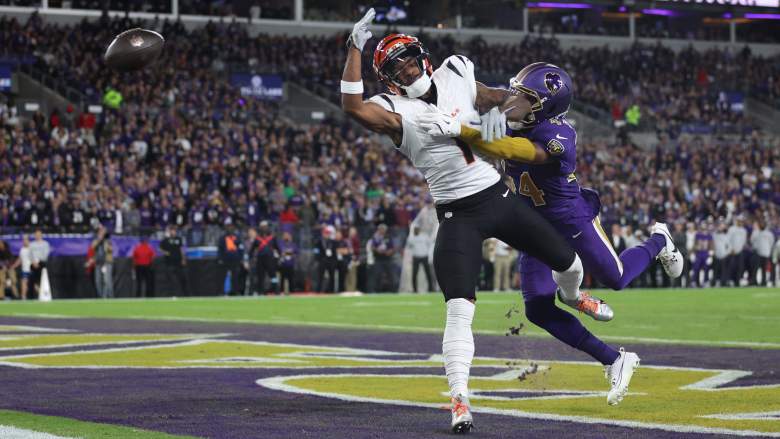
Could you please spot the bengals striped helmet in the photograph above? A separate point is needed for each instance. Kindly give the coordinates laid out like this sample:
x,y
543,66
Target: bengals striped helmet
x,y
392,52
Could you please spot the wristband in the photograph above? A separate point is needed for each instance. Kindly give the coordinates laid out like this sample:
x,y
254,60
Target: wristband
x,y
352,88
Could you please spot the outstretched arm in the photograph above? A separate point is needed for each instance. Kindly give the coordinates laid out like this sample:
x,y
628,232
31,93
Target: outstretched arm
x,y
496,106
511,148
518,149
370,115
515,106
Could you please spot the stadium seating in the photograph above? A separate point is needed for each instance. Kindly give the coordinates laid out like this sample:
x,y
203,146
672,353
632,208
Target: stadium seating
x,y
187,148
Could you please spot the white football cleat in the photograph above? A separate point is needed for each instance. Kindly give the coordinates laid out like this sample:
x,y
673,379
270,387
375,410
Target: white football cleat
x,y
671,258
619,375
462,422
590,305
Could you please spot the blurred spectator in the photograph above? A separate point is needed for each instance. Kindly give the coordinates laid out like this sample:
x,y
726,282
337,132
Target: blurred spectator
x,y
488,265
39,250
265,251
702,258
25,263
104,263
343,259
504,257
143,258
288,258
420,246
174,259
89,266
737,240
326,252
775,263
351,281
7,272
617,238
230,254
722,251
381,271
187,148
289,216
761,240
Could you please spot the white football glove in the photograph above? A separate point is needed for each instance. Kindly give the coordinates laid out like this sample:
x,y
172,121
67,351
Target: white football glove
x,y
493,125
438,124
360,33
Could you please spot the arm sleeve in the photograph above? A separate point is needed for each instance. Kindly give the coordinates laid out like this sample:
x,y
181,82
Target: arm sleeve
x,y
510,148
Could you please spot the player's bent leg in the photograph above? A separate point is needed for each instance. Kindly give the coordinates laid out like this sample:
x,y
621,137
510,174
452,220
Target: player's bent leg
x,y
583,302
540,309
601,261
456,260
526,230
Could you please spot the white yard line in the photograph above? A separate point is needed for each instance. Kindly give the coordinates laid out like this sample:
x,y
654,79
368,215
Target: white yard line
x,y
281,384
7,432
425,329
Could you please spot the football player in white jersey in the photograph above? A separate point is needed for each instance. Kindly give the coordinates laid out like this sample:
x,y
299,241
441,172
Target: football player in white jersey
x,y
472,203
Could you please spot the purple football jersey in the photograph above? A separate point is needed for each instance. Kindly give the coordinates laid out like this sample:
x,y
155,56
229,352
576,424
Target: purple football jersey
x,y
703,241
552,188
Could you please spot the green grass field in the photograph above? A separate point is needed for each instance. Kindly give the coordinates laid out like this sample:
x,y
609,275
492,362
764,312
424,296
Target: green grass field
x,y
747,317
662,393
72,428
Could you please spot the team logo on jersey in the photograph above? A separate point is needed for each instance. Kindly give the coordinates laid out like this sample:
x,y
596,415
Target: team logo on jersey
x,y
555,147
553,82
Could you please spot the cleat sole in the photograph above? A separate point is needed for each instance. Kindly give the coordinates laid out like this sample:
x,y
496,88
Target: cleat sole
x,y
463,427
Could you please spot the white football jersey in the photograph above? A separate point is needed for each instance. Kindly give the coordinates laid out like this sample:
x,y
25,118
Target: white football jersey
x,y
452,171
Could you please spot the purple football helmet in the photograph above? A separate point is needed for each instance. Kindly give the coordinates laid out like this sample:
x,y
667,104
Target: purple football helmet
x,y
548,88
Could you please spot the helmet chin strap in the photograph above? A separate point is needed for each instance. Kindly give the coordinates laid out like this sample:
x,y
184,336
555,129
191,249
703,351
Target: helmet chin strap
x,y
419,87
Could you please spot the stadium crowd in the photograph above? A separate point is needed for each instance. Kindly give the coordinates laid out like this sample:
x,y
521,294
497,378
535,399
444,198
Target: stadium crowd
x,y
184,148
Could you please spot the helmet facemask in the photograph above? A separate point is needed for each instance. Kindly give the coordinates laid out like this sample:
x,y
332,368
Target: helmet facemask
x,y
391,68
533,97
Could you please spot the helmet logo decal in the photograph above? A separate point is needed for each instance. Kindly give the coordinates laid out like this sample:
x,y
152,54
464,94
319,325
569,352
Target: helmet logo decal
x,y
553,82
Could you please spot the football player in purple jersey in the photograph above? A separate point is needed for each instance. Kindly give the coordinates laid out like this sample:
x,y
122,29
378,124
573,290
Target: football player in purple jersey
x,y
551,187
541,161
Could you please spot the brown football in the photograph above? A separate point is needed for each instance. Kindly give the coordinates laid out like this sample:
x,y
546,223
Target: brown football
x,y
134,49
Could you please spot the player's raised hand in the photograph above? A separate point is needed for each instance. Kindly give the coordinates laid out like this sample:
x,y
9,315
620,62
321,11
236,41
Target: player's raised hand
x,y
438,124
360,33
493,125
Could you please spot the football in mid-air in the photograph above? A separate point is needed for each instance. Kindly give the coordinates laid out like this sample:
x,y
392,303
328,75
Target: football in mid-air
x,y
134,49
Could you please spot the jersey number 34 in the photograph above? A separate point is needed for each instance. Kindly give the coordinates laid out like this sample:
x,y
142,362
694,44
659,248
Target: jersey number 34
x,y
529,189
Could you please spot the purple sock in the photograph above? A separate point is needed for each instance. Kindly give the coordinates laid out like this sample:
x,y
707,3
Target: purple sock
x,y
636,259
543,312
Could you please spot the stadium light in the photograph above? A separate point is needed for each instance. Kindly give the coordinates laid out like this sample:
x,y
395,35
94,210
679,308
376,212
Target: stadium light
x,y
763,16
664,12
559,5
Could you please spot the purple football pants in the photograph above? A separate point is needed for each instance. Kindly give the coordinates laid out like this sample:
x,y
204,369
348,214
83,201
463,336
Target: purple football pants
x,y
598,258
699,265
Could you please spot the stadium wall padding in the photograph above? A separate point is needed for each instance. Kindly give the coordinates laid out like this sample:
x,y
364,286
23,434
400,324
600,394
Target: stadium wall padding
x,y
69,280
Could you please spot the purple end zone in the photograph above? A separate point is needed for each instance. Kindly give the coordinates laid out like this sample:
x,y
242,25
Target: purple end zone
x,y
226,403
